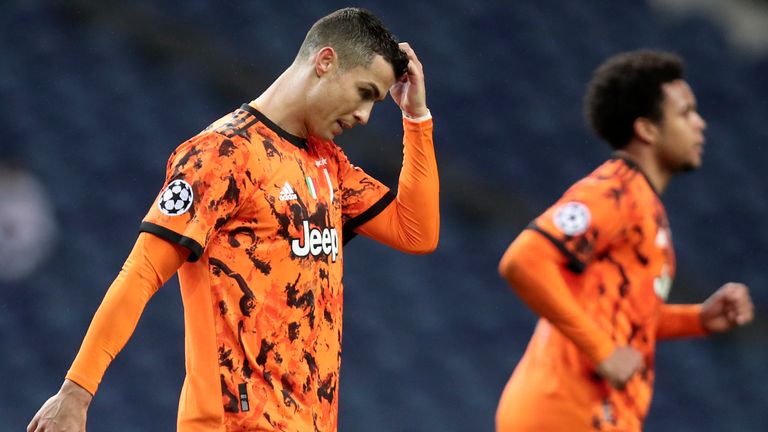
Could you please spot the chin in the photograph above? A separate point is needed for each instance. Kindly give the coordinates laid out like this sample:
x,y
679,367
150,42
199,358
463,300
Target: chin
x,y
328,134
325,136
690,166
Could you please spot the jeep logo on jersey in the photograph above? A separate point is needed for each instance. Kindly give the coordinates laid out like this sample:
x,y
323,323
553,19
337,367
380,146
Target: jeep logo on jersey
x,y
176,199
316,241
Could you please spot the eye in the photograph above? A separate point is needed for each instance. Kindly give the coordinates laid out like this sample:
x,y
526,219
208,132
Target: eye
x,y
365,93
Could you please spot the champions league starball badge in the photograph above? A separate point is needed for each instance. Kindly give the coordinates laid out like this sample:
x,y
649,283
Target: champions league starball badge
x,y
572,218
176,199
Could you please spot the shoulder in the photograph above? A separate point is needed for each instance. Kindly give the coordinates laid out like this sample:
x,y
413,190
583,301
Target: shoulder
x,y
599,184
603,194
217,144
210,150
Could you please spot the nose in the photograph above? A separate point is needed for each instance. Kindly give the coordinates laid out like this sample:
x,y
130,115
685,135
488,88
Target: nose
x,y
700,121
363,113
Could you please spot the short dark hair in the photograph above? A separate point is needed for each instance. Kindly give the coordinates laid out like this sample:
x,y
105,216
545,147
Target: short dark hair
x,y
628,86
356,35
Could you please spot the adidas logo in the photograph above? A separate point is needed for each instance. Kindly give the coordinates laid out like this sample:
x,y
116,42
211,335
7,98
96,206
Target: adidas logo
x,y
287,193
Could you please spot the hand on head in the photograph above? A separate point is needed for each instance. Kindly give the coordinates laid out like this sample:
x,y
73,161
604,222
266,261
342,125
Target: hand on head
x,y
409,93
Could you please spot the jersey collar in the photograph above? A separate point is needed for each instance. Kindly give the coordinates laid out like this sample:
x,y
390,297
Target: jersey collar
x,y
293,139
634,166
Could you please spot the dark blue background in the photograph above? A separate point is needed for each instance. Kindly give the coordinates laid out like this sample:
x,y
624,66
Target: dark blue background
x,y
96,96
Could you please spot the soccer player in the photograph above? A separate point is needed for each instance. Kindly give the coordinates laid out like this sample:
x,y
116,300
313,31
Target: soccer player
x,y
598,265
253,215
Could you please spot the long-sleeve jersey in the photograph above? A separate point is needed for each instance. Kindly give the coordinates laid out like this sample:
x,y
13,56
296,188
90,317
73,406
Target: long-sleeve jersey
x,y
265,215
597,266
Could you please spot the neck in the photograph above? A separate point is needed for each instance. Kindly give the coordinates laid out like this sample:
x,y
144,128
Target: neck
x,y
641,154
283,102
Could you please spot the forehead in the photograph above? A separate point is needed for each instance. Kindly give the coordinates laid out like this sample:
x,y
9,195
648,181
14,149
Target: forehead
x,y
678,93
379,73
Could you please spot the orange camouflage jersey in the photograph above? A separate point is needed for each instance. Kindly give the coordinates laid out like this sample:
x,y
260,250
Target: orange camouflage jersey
x,y
613,230
265,215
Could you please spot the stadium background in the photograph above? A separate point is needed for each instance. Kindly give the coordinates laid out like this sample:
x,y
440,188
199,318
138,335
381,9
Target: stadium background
x,y
96,95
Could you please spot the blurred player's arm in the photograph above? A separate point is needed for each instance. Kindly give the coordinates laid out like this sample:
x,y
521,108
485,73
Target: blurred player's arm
x,y
150,264
533,267
679,321
728,307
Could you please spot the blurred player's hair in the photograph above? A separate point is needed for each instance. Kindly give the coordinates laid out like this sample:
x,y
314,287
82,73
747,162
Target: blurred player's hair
x,y
357,36
628,86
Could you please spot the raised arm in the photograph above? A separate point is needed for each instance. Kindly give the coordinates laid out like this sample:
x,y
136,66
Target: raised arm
x,y
411,223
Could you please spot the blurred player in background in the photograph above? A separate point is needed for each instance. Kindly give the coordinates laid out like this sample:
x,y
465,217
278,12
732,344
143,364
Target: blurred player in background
x,y
253,215
599,264
28,226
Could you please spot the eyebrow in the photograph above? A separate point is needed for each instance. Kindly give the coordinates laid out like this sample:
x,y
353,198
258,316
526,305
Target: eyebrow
x,y
690,105
374,89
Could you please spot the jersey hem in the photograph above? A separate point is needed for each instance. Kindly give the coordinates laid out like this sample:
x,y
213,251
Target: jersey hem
x,y
87,384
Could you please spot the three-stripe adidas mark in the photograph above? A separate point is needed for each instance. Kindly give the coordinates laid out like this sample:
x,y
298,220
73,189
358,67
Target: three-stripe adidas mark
x,y
287,193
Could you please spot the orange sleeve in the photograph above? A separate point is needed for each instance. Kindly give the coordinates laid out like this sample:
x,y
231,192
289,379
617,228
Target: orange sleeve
x,y
679,321
150,264
533,266
411,223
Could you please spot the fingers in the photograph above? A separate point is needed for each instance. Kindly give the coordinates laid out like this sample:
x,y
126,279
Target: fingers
x,y
409,93
32,425
406,48
733,291
745,314
637,364
640,363
414,65
35,425
621,366
738,306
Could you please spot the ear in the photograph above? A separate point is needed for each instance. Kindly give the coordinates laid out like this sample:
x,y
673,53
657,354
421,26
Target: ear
x,y
325,59
646,130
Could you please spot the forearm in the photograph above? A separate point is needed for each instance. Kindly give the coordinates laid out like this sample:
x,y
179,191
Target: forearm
x,y
411,223
679,321
532,266
151,262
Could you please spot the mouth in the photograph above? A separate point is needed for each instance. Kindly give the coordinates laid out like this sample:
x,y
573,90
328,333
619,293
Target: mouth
x,y
699,148
340,128
342,125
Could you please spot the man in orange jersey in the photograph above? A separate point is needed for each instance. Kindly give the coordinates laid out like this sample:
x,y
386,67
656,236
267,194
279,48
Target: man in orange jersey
x,y
253,215
598,265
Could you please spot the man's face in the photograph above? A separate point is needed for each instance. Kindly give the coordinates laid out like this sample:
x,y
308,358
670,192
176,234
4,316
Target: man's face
x,y
681,129
344,99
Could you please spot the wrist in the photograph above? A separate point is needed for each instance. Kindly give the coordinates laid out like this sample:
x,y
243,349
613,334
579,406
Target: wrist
x,y
74,390
418,115
602,352
701,322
